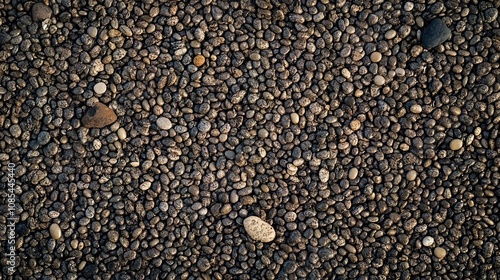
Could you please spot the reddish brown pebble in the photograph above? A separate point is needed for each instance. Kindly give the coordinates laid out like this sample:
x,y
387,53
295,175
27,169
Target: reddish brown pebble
x,y
98,116
199,60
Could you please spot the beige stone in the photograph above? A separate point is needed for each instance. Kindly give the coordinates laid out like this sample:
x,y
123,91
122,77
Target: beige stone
x,y
353,173
456,144
440,253
376,57
122,133
294,117
55,231
258,229
355,124
199,60
379,80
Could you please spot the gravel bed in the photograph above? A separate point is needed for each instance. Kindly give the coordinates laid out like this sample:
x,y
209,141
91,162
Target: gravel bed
x,y
251,139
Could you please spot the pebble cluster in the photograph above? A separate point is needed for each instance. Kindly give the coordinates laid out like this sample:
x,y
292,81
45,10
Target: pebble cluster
x,y
252,139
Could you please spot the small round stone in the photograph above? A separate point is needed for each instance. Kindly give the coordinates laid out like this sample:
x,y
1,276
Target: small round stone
x,y
379,80
439,252
416,109
456,144
400,72
411,175
428,241
199,60
409,6
100,88
355,125
376,57
390,34
353,173
294,117
55,231
164,123
263,133
92,31
122,134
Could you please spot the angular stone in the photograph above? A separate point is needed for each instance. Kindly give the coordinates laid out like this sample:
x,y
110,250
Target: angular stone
x,y
258,229
98,116
435,34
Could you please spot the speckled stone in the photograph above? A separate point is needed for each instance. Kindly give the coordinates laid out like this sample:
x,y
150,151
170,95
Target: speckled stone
x,y
40,12
258,229
199,60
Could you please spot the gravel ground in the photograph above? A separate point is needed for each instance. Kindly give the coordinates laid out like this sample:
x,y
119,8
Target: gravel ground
x,y
251,139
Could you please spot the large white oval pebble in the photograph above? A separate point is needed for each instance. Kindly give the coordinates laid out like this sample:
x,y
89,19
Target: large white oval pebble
x,y
258,229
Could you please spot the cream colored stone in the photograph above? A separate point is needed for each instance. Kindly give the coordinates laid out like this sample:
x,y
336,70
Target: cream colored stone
x,y
353,173
376,57
294,117
258,229
456,144
55,231
122,133
440,253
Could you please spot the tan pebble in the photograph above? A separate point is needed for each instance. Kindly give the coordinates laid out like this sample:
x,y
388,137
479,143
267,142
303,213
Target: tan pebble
x,y
411,175
455,110
199,60
456,144
263,133
258,229
400,72
55,231
376,57
416,109
390,34
355,124
379,80
122,134
439,252
294,117
353,173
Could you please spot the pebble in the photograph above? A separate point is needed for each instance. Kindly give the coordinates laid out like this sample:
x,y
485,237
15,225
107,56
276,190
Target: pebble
x,y
92,31
390,34
324,175
199,60
379,80
428,241
40,12
294,117
376,57
258,229
456,144
163,123
416,109
435,34
100,88
98,116
55,231
440,253
122,133
355,124
411,175
353,173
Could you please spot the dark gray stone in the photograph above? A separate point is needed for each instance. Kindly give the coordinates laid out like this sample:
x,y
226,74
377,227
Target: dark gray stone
x,y
435,34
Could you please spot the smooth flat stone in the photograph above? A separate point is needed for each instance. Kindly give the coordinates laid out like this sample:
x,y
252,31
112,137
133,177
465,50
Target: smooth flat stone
x,y
435,34
164,123
40,12
100,88
122,133
379,80
439,252
55,231
428,241
456,144
98,116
